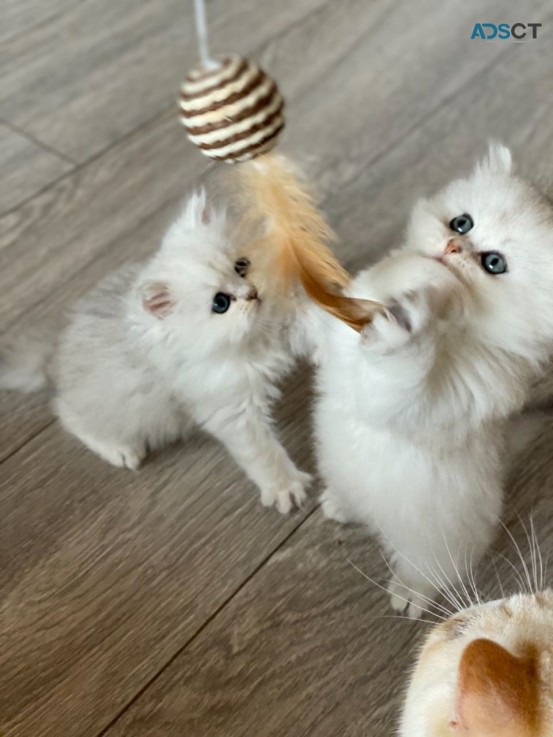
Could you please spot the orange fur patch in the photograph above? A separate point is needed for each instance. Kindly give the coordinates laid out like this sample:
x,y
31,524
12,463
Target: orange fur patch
x,y
497,692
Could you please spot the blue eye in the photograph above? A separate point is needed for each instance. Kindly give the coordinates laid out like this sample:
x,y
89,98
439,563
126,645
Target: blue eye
x,y
493,262
462,224
221,303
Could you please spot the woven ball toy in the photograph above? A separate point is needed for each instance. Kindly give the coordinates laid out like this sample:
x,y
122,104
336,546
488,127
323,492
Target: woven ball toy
x,y
230,108
232,111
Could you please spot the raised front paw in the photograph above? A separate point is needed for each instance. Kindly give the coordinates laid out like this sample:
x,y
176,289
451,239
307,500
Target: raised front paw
x,y
288,495
399,321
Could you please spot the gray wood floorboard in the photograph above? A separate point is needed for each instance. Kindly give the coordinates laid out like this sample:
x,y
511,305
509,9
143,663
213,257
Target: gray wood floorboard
x,y
154,603
26,168
309,646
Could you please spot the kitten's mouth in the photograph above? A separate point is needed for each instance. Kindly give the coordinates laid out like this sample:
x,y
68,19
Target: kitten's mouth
x,y
446,262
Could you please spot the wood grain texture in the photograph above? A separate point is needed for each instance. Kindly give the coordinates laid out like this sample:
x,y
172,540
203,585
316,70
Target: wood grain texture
x,y
20,17
116,207
26,168
106,574
309,646
99,70
142,604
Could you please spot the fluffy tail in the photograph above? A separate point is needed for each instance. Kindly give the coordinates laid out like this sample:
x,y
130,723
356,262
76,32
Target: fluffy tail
x,y
271,193
23,361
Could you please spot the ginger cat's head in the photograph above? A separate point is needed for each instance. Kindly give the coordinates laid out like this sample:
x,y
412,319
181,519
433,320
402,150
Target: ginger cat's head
x,y
486,672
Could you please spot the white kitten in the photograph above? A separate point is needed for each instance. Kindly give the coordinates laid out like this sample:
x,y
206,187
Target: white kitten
x,y
183,340
411,419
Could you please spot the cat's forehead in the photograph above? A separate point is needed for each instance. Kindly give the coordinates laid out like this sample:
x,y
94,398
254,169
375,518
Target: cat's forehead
x,y
511,620
484,194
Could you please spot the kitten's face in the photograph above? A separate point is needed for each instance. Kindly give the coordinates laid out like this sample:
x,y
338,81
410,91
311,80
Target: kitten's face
x,y
201,288
495,233
486,672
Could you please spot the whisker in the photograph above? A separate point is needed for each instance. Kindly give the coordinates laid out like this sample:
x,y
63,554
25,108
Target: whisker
x,y
518,550
532,553
539,556
499,580
519,578
407,588
456,569
402,616
383,588
472,580
453,593
436,584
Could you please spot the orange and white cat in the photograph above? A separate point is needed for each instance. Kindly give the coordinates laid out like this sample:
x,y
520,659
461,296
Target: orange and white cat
x,y
487,671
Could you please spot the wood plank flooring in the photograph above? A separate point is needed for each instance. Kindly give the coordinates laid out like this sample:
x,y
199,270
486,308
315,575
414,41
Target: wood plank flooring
x,y
169,602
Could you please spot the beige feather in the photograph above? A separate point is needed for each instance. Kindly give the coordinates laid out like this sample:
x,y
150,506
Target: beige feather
x,y
271,193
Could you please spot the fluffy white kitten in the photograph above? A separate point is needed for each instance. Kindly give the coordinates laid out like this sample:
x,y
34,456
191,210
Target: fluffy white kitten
x,y
411,419
182,340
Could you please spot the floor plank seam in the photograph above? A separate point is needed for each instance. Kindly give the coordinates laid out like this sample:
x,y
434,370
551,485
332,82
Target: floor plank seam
x,y
421,121
37,142
82,165
104,732
27,441
78,166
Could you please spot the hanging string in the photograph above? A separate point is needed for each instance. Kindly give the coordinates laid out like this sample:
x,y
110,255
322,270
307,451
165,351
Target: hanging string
x,y
201,32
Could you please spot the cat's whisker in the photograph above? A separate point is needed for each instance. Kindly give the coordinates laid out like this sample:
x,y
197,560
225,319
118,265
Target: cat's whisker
x,y
452,591
403,616
472,581
520,581
521,557
456,569
436,584
532,553
539,557
383,588
430,601
448,589
498,579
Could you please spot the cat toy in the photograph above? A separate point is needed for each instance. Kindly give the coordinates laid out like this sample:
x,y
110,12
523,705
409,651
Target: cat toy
x,y
233,112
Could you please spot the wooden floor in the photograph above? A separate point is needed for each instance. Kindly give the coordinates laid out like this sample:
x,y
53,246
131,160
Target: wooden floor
x,y
169,602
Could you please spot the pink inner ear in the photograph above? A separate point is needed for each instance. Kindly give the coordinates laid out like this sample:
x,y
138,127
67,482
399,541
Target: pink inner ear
x,y
156,299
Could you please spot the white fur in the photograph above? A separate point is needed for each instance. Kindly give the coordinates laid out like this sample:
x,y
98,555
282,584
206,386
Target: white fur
x,y
145,359
412,413
514,623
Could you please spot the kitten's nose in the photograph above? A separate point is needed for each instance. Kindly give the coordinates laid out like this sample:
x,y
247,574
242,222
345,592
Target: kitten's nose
x,y
452,247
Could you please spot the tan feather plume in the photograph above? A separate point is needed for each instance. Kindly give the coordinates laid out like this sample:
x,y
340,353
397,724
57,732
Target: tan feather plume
x,y
270,192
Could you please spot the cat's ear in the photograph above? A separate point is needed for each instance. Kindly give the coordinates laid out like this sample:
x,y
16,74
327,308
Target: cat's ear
x,y
497,692
156,299
198,211
498,160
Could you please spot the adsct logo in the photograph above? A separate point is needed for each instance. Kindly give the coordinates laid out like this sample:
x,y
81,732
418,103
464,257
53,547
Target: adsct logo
x,y
518,31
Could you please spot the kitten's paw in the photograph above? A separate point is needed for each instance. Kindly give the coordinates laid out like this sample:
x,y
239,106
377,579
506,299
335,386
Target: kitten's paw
x,y
331,507
389,330
289,496
122,456
407,601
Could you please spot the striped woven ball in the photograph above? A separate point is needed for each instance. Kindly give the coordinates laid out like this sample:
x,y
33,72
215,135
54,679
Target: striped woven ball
x,y
232,112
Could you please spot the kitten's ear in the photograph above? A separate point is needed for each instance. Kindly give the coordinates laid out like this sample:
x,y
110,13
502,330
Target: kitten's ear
x,y
156,299
498,160
198,212
497,692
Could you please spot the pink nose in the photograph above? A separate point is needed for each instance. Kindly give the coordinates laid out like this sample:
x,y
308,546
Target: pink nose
x,y
452,247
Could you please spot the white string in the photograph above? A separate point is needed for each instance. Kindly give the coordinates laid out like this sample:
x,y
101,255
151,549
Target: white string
x,y
201,32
